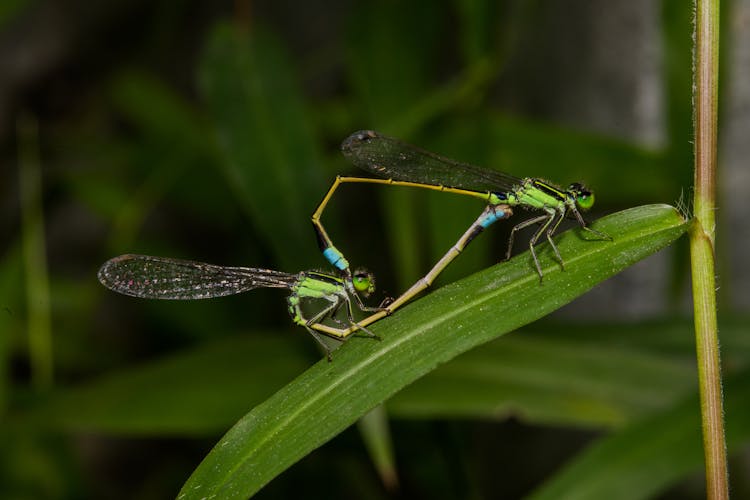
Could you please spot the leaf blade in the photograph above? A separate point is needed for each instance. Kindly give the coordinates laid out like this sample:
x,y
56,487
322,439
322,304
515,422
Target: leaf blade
x,y
646,457
331,396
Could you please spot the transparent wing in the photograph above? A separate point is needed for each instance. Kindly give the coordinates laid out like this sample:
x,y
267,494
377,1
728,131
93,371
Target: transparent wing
x,y
392,159
165,278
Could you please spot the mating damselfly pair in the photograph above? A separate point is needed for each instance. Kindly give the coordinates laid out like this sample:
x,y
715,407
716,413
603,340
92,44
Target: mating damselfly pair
x,y
396,164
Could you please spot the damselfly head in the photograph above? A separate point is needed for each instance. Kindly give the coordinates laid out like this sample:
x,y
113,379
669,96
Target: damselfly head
x,y
363,281
584,198
356,139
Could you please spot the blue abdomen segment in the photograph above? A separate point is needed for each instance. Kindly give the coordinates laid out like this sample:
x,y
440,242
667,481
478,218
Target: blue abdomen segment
x,y
336,258
490,217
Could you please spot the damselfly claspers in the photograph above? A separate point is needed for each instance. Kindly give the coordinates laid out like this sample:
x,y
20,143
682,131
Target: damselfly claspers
x,y
150,277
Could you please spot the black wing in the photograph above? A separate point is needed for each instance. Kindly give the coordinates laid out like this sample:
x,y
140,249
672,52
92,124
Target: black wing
x,y
392,159
165,278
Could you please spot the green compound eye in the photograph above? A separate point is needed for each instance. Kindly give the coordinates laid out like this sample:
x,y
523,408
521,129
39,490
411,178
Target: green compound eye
x,y
584,197
585,200
363,281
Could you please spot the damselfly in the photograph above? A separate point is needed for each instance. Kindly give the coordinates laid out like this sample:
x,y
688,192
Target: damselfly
x,y
175,279
401,164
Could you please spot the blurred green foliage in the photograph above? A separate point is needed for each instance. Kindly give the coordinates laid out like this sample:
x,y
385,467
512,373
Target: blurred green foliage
x,y
228,167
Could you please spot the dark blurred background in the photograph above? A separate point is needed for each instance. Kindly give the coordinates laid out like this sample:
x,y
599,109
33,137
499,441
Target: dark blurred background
x,y
210,131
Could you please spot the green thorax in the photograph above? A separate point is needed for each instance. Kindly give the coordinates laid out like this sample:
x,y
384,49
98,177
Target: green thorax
x,y
314,284
538,194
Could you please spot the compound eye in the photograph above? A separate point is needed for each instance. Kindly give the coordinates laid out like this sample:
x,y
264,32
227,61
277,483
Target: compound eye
x,y
364,282
585,200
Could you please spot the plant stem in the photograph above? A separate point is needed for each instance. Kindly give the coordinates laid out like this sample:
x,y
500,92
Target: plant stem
x,y
706,76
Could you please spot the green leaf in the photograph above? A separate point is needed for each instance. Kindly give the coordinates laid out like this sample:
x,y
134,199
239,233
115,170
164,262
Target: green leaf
x,y
34,254
594,375
198,392
392,52
271,159
168,148
648,456
549,380
159,113
476,21
376,434
586,376
331,396
12,318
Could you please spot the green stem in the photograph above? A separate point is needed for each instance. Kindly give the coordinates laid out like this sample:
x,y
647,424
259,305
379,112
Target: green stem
x,y
706,75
